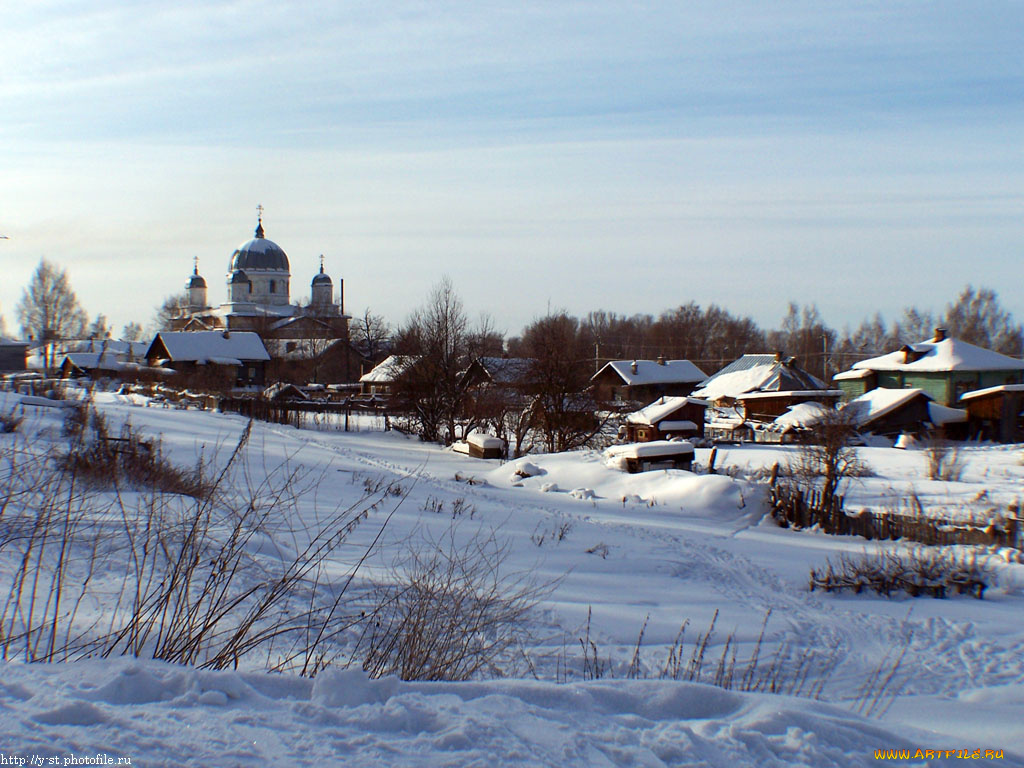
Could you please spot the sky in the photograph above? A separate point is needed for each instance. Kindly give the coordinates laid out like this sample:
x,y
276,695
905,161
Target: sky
x,y
626,156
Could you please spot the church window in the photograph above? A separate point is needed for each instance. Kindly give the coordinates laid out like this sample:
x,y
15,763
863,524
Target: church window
x,y
273,286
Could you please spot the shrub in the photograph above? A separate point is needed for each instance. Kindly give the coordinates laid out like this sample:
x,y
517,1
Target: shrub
x,y
922,571
450,612
944,462
10,422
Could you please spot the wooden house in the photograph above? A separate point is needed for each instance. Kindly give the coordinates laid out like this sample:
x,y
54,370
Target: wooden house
x,y
238,358
665,418
380,381
750,393
12,355
891,412
645,380
995,413
943,366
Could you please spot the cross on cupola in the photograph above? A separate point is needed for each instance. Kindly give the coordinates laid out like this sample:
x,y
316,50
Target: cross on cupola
x,y
259,221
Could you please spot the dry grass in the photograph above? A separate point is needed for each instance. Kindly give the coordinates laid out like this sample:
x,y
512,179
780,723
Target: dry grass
x,y
943,461
450,611
925,571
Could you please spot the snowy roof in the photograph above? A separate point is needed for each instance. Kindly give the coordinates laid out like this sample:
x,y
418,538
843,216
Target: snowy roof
x,y
653,448
389,370
661,409
992,391
485,441
5,342
507,370
880,401
200,346
801,415
113,346
949,354
943,414
92,360
752,373
653,372
848,375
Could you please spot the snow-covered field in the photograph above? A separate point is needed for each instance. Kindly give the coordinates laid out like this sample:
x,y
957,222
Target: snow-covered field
x,y
619,554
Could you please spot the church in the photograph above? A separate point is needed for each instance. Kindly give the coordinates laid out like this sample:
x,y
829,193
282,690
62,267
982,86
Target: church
x,y
259,299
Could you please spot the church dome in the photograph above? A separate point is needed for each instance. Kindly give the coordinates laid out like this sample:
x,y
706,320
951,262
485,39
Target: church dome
x,y
196,280
322,278
259,253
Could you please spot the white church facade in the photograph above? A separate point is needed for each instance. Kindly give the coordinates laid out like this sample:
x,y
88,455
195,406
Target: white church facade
x,y
259,299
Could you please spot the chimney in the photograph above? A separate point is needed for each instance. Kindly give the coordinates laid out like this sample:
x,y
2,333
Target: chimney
x,y
632,366
778,357
227,334
661,359
940,335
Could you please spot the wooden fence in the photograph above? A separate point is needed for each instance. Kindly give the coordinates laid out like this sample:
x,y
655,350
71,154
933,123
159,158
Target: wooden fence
x,y
296,412
805,509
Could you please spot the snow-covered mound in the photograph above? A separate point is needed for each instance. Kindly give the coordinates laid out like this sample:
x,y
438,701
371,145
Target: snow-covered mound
x,y
162,715
668,489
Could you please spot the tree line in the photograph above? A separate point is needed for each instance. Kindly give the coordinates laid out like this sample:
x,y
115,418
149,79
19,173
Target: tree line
x,y
710,337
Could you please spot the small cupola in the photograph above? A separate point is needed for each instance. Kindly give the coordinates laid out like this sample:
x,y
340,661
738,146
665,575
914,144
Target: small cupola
x,y
322,287
196,288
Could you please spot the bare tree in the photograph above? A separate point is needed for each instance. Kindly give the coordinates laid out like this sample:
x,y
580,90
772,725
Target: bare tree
x,y
170,309
827,451
98,329
977,317
132,332
805,335
435,337
49,311
559,374
370,334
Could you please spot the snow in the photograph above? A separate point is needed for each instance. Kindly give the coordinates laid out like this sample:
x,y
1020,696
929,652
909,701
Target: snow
x,y
950,354
653,448
200,346
653,372
388,370
660,408
992,391
942,414
669,545
484,441
880,401
684,425
801,415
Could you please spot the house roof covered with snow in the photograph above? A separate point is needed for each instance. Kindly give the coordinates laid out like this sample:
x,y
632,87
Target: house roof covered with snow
x,y
661,409
801,416
759,373
388,370
639,372
880,401
208,346
988,391
507,370
88,361
946,354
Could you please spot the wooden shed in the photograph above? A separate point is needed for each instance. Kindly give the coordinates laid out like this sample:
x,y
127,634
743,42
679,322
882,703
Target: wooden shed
x,y
646,457
994,413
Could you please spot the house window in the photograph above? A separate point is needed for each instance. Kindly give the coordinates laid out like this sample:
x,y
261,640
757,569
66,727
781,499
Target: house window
x,y
252,373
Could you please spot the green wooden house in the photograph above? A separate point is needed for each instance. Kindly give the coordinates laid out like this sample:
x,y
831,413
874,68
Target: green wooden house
x,y
943,367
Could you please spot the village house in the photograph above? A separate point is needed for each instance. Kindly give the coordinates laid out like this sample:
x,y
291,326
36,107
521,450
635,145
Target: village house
x,y
12,355
995,413
645,380
944,367
750,393
893,412
230,358
666,418
380,381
